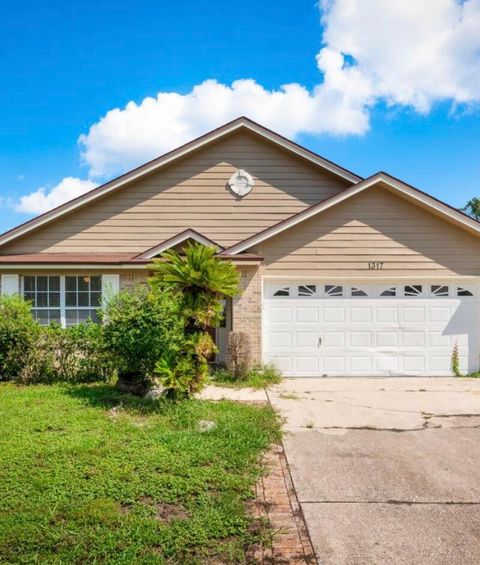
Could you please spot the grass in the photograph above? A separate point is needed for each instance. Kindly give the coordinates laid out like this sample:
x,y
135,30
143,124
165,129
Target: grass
x,y
258,377
88,475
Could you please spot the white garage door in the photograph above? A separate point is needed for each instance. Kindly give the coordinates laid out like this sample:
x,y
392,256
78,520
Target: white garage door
x,y
313,329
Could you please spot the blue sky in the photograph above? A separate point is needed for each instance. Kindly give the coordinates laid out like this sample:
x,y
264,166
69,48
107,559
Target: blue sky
x,y
65,65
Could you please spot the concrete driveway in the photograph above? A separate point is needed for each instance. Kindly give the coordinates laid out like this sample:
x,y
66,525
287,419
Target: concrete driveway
x,y
386,470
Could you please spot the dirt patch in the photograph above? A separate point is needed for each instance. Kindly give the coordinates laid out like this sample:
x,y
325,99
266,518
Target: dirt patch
x,y
168,512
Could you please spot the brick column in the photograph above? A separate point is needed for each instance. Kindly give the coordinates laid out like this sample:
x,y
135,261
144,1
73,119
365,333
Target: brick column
x,y
247,309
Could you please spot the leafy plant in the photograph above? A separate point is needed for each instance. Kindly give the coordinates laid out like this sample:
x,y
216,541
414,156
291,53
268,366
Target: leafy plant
x,y
139,327
200,280
259,376
18,334
472,208
456,361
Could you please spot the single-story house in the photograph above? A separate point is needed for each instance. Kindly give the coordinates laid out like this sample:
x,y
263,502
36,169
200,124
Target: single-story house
x,y
341,275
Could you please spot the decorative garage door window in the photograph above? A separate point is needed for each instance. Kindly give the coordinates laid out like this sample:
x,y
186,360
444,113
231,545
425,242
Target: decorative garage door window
x,y
389,291
333,290
308,290
284,291
439,290
412,290
463,292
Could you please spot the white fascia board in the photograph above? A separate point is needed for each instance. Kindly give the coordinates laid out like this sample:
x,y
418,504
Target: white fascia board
x,y
176,240
428,201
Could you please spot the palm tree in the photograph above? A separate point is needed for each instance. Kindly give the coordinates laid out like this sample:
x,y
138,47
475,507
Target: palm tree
x,y
202,280
472,208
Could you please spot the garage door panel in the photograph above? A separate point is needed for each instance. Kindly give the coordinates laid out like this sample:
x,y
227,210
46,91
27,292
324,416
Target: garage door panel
x,y
413,339
440,313
387,364
439,363
306,315
335,365
413,313
414,364
334,314
386,314
386,338
306,339
360,314
279,314
361,364
361,339
281,340
333,339
307,365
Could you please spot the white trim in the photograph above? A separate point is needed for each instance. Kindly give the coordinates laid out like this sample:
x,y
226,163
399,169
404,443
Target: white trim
x,y
375,279
173,241
450,213
168,158
10,284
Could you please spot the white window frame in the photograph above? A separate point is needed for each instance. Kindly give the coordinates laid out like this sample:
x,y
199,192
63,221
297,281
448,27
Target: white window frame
x,y
63,307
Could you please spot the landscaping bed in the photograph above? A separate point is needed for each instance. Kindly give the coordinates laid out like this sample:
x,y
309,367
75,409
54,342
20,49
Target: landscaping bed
x,y
90,475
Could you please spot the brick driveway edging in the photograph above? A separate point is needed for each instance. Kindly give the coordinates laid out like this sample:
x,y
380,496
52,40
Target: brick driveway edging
x,y
277,501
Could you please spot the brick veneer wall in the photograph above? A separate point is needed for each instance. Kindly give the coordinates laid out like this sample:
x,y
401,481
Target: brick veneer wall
x,y
247,309
129,280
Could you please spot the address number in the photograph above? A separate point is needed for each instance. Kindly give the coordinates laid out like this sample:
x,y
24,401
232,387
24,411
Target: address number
x,y
375,265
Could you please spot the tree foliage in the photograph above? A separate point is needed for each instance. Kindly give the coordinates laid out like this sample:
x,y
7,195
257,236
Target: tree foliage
x,y
472,208
200,279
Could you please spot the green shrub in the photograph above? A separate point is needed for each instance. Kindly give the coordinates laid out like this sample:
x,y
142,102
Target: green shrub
x,y
73,354
18,335
259,376
139,327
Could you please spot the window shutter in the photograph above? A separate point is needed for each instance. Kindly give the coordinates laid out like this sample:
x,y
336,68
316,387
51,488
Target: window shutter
x,y
10,284
110,286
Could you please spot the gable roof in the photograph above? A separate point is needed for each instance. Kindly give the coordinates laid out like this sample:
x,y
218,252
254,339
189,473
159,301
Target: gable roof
x,y
176,240
149,167
422,198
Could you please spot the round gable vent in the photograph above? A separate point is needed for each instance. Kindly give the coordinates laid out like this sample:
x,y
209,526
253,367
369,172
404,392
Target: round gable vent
x,y
241,182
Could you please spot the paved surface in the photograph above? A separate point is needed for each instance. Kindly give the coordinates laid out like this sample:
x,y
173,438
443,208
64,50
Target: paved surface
x,y
386,470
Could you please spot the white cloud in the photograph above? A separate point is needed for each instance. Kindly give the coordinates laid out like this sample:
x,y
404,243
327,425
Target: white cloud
x,y
126,137
403,52
45,199
410,53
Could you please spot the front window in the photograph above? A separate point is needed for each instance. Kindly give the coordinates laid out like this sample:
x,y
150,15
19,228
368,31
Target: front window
x,y
83,297
44,294
68,300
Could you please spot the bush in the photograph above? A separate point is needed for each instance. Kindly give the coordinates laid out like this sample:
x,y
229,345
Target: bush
x,y
18,335
74,354
239,355
259,376
139,327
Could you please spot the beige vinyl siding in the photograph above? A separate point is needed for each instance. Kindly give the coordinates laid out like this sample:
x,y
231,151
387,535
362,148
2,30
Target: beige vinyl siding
x,y
191,193
375,225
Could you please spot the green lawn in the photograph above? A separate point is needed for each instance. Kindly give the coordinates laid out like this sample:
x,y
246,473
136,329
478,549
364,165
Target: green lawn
x,y
91,476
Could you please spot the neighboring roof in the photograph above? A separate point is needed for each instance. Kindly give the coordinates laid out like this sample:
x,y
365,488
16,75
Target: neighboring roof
x,y
176,240
414,194
147,168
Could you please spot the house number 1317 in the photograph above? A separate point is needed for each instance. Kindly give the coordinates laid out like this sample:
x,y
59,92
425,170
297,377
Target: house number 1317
x,y
375,265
